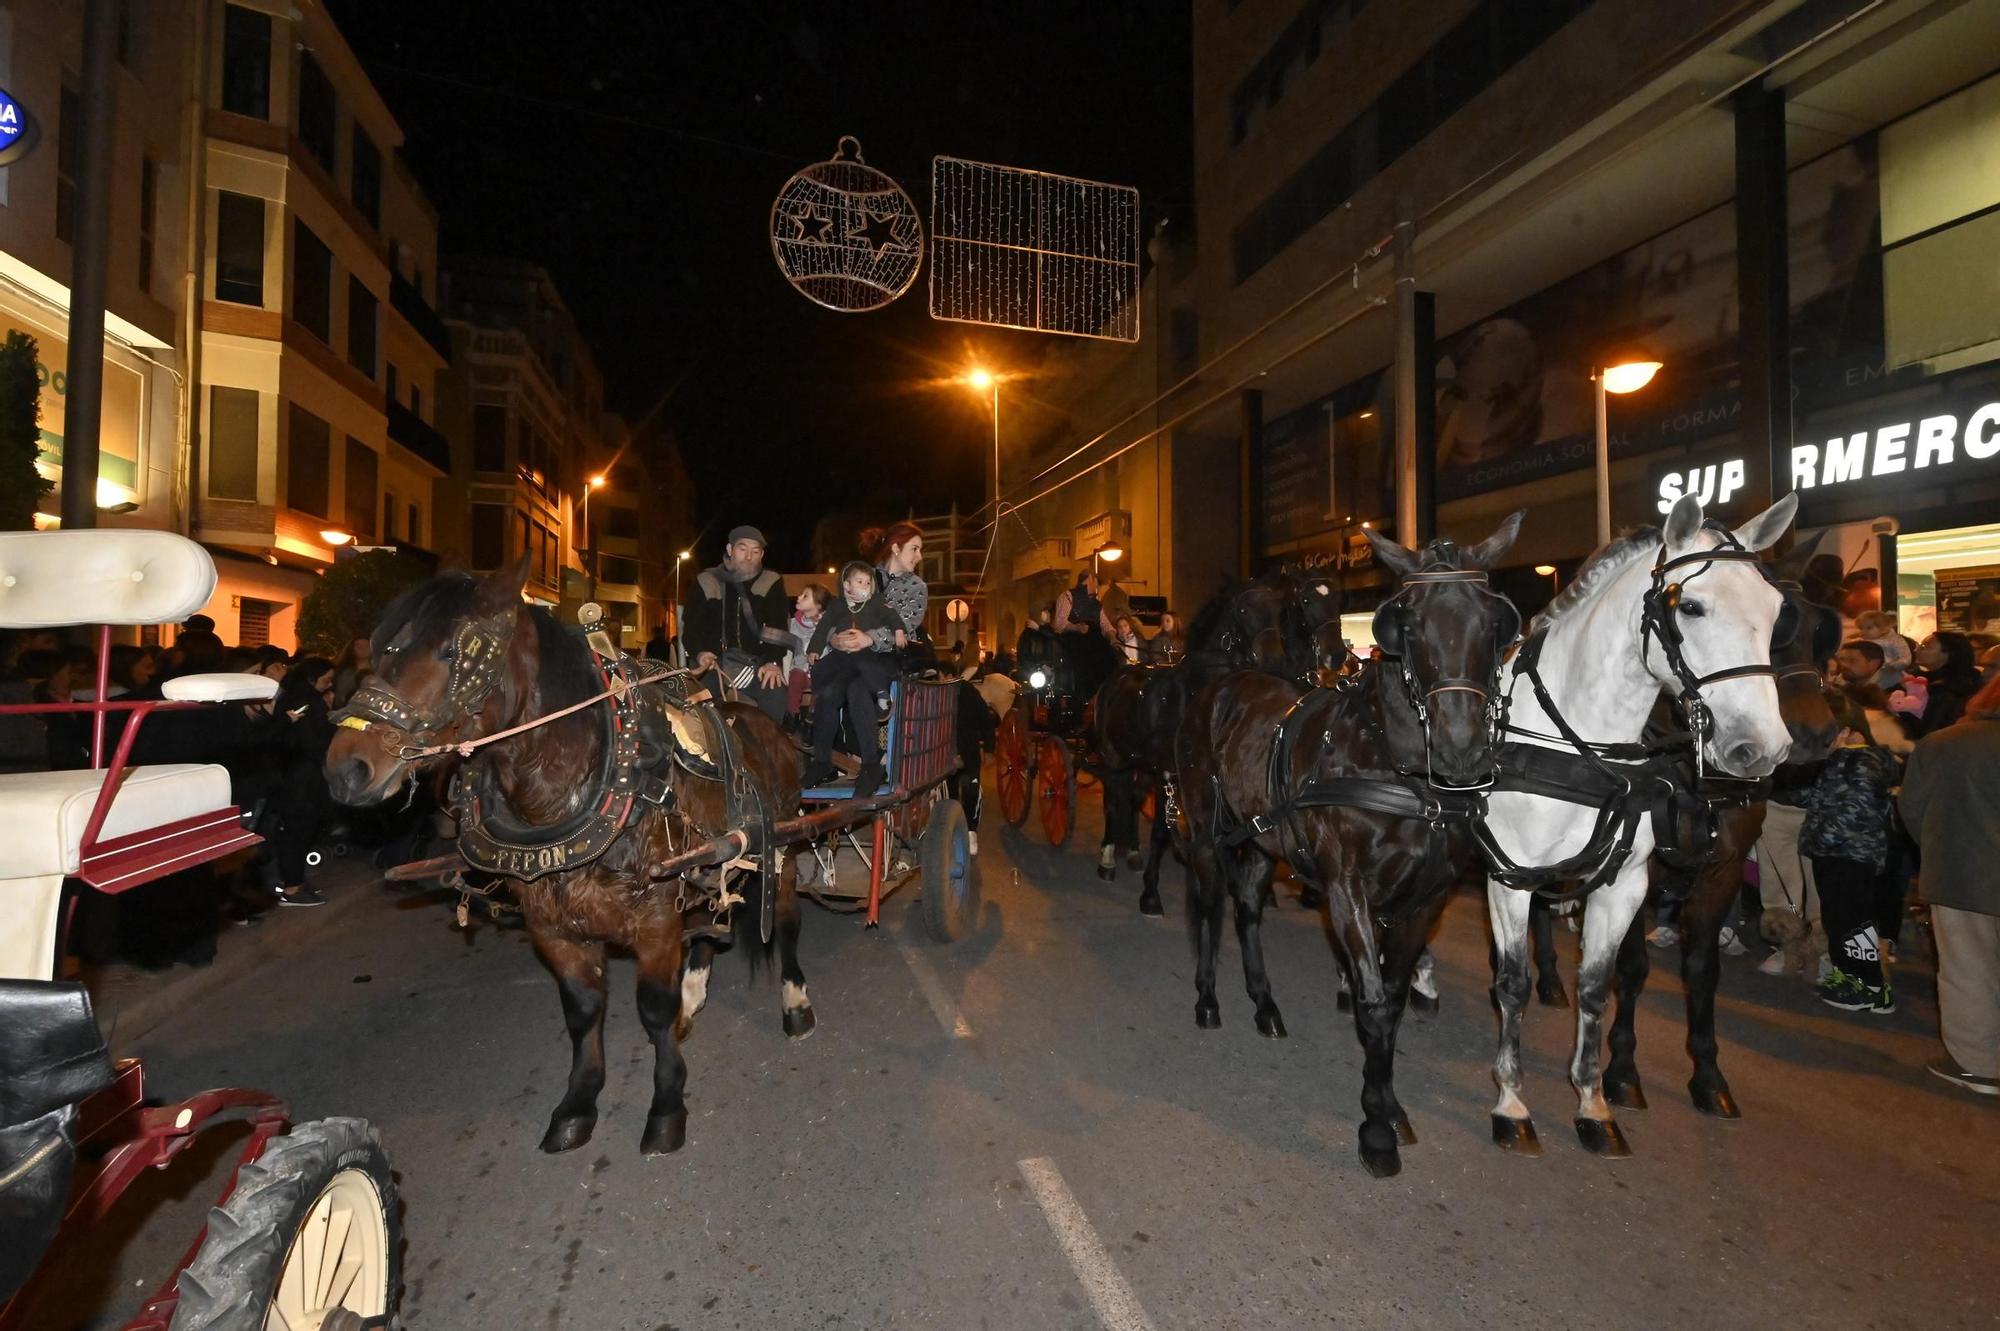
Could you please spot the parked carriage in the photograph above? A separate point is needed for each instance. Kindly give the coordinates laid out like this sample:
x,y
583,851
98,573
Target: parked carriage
x,y
306,1232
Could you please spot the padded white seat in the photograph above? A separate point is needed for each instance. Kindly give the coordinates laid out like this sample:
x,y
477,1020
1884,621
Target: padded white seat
x,y
220,687
43,814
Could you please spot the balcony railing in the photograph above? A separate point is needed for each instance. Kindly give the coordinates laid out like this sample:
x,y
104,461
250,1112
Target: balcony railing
x,y
426,441
409,302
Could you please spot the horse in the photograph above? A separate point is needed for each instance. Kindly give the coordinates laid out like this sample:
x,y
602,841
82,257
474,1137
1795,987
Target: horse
x,y
463,661
1338,781
1689,608
1278,623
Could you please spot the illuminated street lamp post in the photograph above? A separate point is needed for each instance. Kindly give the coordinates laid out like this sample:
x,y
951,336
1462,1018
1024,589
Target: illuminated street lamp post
x,y
1625,375
982,380
679,559
590,547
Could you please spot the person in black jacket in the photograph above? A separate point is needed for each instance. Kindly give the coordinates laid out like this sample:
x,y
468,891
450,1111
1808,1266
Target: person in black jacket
x,y
739,619
305,730
852,652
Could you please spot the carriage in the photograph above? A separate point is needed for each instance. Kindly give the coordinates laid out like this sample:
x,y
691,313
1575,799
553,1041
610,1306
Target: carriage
x,y
1043,740
306,1232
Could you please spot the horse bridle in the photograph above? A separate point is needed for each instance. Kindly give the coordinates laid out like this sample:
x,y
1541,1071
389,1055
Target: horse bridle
x,y
1492,699
477,653
1658,623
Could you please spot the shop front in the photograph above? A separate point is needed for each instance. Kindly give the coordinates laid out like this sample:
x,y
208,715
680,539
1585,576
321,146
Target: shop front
x,y
122,482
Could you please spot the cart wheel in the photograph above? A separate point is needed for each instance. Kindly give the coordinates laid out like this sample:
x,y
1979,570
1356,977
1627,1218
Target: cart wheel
x,y
1058,774
312,1227
1014,774
951,874
1149,804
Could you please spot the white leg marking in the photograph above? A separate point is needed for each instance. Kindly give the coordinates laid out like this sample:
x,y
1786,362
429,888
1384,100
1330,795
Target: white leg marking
x,y
795,996
1424,981
948,1016
694,990
1110,1294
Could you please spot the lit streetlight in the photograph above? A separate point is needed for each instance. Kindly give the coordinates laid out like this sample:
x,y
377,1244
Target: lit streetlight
x,y
1549,571
334,536
1625,374
589,546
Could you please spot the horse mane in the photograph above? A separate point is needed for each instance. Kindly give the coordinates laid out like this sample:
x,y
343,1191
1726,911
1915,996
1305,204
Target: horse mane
x,y
567,673
1598,570
1206,625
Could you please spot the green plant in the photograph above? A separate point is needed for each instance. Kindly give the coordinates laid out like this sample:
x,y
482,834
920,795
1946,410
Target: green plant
x,y
21,485
350,598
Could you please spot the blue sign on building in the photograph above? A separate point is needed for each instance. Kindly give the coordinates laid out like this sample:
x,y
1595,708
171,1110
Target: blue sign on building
x,y
18,130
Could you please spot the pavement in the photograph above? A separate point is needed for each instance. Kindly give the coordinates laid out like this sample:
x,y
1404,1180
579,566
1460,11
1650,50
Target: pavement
x,y
1025,1129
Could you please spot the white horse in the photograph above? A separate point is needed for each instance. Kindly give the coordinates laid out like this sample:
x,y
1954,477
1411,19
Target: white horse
x,y
1686,608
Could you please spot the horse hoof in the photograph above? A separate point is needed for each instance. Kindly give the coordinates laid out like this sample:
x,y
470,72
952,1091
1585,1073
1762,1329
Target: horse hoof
x,y
1133,860
1106,872
1270,1024
1625,1094
1550,993
1716,1102
1603,1137
1516,1135
799,1022
1208,1015
566,1134
1344,1000
1149,904
1424,1005
1311,898
665,1133
1404,1132
1382,1164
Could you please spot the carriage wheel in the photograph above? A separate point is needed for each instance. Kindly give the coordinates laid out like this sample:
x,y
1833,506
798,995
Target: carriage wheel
x,y
1149,804
311,1231
1058,773
1014,773
951,874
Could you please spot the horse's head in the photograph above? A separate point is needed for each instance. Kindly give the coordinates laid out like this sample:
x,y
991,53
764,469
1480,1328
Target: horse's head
x,y
1709,618
1805,639
1316,607
442,664
1447,631
1254,630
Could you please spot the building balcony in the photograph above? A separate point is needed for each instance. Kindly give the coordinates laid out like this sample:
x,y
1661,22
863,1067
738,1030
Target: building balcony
x,y
1050,556
409,302
425,440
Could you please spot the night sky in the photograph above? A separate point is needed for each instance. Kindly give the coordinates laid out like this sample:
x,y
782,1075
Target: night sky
x,y
635,150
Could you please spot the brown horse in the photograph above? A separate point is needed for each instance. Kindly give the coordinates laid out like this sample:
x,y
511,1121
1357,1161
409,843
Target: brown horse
x,y
459,659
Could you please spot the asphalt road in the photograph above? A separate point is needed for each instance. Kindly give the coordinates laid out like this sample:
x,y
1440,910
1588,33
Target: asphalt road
x,y
1027,1130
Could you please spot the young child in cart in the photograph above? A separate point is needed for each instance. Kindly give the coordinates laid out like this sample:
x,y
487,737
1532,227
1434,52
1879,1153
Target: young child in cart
x,y
852,657
806,611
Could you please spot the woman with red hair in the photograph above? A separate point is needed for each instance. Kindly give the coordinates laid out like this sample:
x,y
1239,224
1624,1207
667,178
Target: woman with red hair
x,y
896,551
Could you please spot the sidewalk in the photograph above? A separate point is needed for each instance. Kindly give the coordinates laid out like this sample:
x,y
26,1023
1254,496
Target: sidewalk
x,y
132,1001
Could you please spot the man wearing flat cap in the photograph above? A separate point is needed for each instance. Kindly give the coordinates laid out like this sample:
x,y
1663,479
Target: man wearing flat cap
x,y
738,622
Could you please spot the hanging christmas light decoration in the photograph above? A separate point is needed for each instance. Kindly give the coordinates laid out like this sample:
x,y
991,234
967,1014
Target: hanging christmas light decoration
x,y
845,234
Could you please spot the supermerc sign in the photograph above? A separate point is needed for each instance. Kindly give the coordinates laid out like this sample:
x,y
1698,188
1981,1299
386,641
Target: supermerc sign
x,y
17,129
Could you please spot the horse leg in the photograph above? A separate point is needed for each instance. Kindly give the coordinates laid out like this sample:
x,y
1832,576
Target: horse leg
x,y
1138,796
694,985
1612,910
1251,882
1205,903
1548,979
799,1019
1117,812
579,972
1701,971
658,949
1621,1075
1384,1124
1507,910
1162,837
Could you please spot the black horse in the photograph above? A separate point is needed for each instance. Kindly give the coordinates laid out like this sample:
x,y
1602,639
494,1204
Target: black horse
x,y
1260,758
1285,622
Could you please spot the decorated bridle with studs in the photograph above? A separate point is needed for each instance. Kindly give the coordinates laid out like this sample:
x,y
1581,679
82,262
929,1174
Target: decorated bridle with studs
x,y
476,655
1659,623
1492,699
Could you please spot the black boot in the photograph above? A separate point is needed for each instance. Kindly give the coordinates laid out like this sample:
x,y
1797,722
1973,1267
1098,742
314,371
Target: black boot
x,y
868,780
818,773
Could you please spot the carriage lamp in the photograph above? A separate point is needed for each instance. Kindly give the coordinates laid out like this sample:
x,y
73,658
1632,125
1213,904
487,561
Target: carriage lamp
x,y
1038,679
335,536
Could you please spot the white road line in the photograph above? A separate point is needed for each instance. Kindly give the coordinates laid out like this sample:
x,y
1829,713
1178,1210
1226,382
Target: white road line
x,y
1117,1306
954,1022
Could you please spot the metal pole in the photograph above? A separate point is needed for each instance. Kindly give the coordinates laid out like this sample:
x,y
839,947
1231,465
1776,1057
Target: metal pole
x,y
91,255
1406,375
1603,460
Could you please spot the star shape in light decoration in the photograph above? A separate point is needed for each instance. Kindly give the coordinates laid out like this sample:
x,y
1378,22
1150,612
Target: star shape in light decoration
x,y
880,232
816,229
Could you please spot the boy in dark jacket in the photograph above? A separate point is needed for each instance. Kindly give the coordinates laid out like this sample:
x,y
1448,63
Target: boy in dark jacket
x,y
1846,835
852,660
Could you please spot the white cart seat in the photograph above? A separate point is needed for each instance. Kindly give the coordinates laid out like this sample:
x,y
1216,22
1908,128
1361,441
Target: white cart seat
x,y
43,814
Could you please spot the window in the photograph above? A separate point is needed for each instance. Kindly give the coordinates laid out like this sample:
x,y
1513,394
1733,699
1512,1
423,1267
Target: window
x,y
318,122
307,450
232,443
489,440
246,62
361,322
255,628
388,516
68,129
612,568
363,480
365,185
149,209
239,248
389,380
416,400
312,283
489,536
414,531
621,523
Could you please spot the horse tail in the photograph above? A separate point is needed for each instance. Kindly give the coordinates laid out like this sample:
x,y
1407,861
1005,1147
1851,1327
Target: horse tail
x,y
745,923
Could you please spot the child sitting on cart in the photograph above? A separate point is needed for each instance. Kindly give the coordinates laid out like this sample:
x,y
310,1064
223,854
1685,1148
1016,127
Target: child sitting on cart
x,y
852,656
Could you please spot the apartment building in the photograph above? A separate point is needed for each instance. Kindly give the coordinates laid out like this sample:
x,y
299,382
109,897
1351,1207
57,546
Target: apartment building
x,y
638,520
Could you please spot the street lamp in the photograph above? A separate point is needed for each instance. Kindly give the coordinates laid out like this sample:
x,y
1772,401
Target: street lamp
x,y
679,559
335,536
590,547
1549,571
1623,374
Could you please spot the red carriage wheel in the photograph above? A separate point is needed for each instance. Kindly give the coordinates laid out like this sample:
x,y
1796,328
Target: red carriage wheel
x,y
1013,774
1149,804
1058,773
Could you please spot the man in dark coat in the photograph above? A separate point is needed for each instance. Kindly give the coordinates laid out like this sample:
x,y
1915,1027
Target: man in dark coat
x,y
739,619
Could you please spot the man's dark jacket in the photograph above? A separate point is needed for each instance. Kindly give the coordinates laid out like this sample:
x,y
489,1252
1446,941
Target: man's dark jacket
x,y
751,617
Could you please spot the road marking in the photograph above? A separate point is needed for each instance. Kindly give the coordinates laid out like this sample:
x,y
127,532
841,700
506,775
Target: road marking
x,y
954,1022
1117,1306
